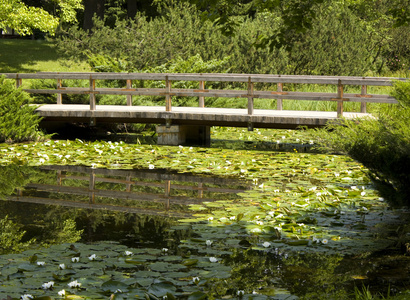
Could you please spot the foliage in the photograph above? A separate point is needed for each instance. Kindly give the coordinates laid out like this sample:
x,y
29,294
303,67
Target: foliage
x,y
16,15
337,44
18,122
382,144
11,236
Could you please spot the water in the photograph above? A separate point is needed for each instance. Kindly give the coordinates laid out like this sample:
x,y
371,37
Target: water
x,y
141,211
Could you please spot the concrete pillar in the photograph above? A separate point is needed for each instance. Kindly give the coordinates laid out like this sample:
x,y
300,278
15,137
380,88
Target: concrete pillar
x,y
175,135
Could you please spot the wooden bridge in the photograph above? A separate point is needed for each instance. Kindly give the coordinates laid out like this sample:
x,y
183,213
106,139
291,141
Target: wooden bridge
x,y
182,124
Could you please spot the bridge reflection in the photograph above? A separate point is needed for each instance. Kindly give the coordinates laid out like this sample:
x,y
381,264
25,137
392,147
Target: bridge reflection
x,y
139,191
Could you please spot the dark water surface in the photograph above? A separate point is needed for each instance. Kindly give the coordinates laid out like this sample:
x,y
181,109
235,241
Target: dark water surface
x,y
140,209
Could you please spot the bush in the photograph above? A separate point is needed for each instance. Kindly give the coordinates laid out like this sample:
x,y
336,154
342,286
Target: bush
x,y
381,144
18,121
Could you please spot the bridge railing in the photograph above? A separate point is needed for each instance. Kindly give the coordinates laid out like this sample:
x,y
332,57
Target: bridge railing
x,y
201,92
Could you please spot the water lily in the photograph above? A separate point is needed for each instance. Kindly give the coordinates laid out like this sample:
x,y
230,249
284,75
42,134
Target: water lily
x,y
27,297
128,253
324,241
213,259
92,257
75,259
61,293
208,242
41,263
240,293
266,244
61,266
48,285
195,280
151,166
74,284
363,193
164,249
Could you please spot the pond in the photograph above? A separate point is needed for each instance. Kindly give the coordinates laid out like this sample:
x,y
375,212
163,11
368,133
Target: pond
x,y
259,215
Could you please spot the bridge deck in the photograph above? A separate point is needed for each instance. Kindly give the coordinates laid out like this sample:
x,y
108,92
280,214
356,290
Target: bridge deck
x,y
285,119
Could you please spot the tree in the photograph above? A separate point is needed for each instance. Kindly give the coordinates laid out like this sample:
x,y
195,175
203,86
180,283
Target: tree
x,y
24,17
91,8
298,15
16,15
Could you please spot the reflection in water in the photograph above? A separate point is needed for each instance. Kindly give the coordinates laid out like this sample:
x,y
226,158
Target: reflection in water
x,y
142,191
140,209
134,207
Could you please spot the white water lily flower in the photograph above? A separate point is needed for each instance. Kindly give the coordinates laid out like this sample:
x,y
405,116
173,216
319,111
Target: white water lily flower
x,y
92,257
259,223
48,285
195,280
208,242
151,166
210,218
164,249
363,193
240,293
213,259
337,174
27,297
42,160
266,244
75,259
74,284
61,293
41,263
315,240
128,253
324,241
62,266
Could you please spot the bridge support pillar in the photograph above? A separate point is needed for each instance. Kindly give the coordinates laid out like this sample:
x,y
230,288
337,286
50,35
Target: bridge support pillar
x,y
175,135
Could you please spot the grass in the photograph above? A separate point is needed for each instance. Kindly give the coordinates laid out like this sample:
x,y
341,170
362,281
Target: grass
x,y
30,56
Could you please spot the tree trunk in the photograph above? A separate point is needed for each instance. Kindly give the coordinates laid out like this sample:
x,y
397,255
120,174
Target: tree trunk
x,y
91,8
131,8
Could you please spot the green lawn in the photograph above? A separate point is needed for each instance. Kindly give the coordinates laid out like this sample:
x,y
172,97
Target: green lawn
x,y
29,56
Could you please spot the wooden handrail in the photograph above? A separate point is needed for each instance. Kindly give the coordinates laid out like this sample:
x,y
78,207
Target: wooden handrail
x,y
250,79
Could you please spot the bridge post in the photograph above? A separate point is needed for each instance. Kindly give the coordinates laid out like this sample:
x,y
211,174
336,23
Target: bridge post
x,y
339,99
250,96
201,98
92,94
168,94
363,105
129,97
279,102
19,81
59,95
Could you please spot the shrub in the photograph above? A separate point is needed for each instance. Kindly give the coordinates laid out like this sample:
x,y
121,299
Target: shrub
x,y
381,144
18,121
